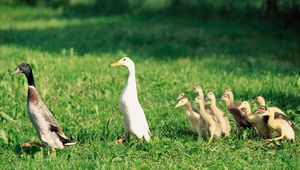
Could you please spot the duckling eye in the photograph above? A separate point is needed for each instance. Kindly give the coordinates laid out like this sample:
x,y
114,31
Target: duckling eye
x,y
124,59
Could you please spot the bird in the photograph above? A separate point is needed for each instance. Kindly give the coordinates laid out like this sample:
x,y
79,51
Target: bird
x,y
281,126
135,121
213,125
199,91
181,95
196,122
219,114
256,119
45,124
238,115
260,101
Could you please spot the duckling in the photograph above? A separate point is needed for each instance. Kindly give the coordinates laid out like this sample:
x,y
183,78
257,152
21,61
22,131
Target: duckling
x,y
45,124
180,96
256,119
260,101
199,91
229,92
134,117
213,125
196,122
219,114
280,126
238,115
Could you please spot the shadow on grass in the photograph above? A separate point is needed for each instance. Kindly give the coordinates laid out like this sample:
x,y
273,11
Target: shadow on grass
x,y
27,150
160,38
178,133
165,34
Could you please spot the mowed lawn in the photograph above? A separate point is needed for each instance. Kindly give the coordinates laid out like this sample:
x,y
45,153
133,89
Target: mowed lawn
x,y
70,57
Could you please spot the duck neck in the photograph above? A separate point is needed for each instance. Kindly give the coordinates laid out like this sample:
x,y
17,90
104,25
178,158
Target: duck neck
x,y
30,79
200,93
131,78
203,112
272,116
188,107
228,104
261,103
231,98
213,103
252,118
248,110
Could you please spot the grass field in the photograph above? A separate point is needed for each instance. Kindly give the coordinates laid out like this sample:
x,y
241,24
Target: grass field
x,y
70,55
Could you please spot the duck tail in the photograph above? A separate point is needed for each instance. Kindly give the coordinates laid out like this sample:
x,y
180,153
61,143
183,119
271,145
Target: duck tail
x,y
70,143
66,142
147,137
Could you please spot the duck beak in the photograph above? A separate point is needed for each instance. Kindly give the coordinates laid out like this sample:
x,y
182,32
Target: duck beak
x,y
17,70
177,105
206,98
116,64
222,97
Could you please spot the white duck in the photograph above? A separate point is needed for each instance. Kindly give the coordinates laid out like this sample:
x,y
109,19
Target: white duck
x,y
134,117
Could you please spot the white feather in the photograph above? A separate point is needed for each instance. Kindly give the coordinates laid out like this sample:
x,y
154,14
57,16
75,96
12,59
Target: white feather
x,y
134,117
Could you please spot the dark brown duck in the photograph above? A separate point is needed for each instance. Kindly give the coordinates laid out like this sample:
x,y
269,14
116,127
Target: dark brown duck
x,y
46,126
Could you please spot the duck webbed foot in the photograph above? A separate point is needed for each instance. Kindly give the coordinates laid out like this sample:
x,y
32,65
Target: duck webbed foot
x,y
28,144
123,139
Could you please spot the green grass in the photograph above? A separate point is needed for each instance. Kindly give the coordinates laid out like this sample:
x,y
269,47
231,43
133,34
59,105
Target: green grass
x,y
70,55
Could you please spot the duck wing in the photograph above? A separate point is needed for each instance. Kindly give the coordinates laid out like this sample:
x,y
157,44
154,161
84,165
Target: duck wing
x,y
239,117
195,110
265,118
53,125
279,115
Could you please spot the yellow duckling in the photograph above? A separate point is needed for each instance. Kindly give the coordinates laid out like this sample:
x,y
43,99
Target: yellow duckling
x,y
279,125
180,96
213,125
239,117
199,91
260,101
219,114
256,119
196,122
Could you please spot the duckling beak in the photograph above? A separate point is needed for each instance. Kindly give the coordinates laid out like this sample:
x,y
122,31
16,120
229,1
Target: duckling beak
x,y
253,101
177,105
222,97
116,64
206,98
179,97
194,102
17,70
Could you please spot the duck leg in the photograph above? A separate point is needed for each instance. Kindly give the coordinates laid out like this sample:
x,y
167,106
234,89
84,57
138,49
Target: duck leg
x,y
278,138
210,139
123,139
238,131
53,153
32,143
